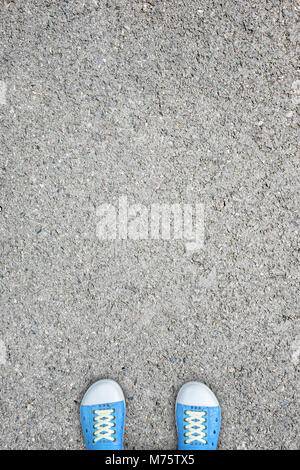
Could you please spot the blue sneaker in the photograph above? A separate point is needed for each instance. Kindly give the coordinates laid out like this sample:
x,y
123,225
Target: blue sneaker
x,y
198,417
102,414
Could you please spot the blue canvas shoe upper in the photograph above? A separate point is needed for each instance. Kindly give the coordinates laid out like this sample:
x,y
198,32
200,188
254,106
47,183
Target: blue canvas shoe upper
x,y
103,423
197,426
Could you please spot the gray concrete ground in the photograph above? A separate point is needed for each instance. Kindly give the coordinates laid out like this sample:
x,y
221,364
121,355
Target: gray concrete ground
x,y
160,101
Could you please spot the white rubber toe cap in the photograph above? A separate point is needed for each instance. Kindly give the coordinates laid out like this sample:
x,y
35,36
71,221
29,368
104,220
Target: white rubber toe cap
x,y
103,391
196,394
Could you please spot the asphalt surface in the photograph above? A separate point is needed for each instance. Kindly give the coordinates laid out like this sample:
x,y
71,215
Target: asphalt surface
x,y
161,102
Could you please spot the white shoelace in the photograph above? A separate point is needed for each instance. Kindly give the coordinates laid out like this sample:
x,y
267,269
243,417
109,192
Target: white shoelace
x,y
103,425
195,420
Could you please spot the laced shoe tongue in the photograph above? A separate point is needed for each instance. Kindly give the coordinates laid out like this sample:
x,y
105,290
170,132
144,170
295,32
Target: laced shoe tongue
x,y
104,424
195,429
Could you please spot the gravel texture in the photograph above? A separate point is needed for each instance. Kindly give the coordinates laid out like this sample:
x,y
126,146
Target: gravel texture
x,y
163,102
